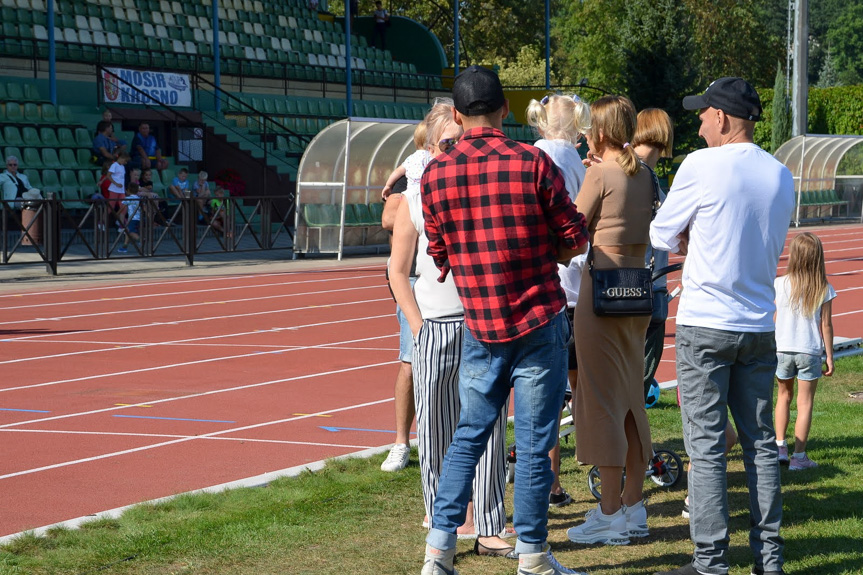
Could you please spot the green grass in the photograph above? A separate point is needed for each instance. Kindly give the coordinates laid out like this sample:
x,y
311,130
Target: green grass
x,y
353,518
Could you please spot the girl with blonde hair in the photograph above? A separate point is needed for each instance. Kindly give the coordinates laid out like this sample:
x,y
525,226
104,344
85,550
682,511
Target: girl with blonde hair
x,y
804,330
561,121
611,423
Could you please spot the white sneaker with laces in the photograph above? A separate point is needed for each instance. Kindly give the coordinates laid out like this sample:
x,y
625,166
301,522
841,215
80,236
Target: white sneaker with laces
x,y
636,519
439,562
542,564
798,463
397,458
600,528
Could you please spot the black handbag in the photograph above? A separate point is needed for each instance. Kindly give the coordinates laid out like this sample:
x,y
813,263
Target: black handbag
x,y
624,292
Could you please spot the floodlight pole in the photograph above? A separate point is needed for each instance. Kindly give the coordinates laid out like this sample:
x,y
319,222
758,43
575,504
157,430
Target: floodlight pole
x,y
547,44
455,56
348,80
217,65
800,80
52,56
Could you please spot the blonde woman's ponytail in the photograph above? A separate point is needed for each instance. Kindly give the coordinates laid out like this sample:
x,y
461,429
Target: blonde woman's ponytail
x,y
629,160
536,117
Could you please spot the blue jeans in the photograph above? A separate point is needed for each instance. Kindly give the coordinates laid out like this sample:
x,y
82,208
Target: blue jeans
x,y
534,367
719,370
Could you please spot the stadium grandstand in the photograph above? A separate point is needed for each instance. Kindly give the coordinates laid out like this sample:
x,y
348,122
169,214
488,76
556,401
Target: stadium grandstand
x,y
281,80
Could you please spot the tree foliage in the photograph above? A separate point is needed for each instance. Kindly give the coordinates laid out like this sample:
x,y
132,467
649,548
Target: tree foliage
x,y
781,121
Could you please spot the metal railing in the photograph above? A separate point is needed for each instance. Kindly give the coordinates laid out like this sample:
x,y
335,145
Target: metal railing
x,y
52,231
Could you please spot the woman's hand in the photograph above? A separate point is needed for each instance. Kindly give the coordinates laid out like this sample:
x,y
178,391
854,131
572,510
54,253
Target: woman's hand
x,y
385,193
591,160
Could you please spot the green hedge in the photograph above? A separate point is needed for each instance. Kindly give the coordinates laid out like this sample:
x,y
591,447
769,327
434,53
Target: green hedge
x,y
836,111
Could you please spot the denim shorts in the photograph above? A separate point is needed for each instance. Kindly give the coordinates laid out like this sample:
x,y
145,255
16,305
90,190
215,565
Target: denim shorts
x,y
406,338
803,365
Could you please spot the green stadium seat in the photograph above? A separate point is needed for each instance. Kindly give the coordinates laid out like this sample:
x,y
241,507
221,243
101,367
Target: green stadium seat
x,y
67,158
50,159
31,137
84,158
64,115
70,189
31,92
50,182
83,138
14,114
4,95
33,176
87,179
12,136
49,137
49,114
31,158
65,138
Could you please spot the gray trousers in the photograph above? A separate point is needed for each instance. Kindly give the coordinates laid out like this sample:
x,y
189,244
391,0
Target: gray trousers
x,y
716,371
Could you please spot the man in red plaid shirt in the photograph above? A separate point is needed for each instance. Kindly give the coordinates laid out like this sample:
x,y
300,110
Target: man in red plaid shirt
x,y
497,214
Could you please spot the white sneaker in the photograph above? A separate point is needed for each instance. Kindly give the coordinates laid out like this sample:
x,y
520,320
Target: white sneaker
x,y
599,528
636,519
438,562
397,458
542,564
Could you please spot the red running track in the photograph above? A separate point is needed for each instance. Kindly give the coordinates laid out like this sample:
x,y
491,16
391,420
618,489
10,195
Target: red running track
x,y
113,395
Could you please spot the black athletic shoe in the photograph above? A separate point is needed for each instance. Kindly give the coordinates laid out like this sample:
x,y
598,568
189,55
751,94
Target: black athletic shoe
x,y
760,571
559,499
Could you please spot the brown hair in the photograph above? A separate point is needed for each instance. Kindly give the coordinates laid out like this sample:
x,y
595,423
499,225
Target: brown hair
x,y
807,275
654,129
614,117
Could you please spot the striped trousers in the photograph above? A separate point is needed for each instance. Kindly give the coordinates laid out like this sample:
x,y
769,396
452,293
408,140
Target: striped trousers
x,y
436,359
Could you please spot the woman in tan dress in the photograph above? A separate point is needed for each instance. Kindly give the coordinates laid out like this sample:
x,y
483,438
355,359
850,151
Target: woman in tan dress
x,y
611,423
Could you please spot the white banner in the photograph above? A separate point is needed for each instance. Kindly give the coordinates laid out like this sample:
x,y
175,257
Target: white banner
x,y
157,87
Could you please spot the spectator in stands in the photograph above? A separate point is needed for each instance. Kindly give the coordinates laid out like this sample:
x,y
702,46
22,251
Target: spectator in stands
x,y
145,150
134,208
382,20
104,181
117,187
12,183
108,117
218,209
179,187
145,182
313,4
135,176
105,147
202,192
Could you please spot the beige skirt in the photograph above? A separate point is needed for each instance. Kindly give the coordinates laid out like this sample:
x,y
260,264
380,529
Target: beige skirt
x,y
610,353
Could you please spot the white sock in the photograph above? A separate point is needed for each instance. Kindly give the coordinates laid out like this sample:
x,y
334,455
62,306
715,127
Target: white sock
x,y
800,455
781,443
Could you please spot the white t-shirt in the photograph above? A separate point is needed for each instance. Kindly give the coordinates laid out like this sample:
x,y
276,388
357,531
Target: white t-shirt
x,y
795,333
566,158
736,201
434,299
133,207
415,165
117,173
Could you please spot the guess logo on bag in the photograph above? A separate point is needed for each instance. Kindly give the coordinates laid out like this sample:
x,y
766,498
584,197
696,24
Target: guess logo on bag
x,y
623,292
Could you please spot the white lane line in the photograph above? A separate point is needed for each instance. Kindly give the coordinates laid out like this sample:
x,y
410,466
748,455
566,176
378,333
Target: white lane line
x,y
138,296
176,436
185,439
114,346
192,305
206,279
328,345
197,319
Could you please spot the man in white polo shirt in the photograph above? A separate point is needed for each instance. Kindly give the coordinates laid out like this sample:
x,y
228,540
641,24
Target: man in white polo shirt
x,y
728,211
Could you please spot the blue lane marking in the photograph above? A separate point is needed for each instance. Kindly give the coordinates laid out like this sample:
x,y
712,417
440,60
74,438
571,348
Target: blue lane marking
x,y
25,410
336,429
174,418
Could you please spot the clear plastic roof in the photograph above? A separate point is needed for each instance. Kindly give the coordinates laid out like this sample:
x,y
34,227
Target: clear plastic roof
x,y
375,147
339,182
814,160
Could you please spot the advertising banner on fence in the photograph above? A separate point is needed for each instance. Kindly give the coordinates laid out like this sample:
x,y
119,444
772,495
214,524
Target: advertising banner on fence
x,y
145,87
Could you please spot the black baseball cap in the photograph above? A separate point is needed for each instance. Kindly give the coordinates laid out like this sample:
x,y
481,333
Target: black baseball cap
x,y
477,91
734,96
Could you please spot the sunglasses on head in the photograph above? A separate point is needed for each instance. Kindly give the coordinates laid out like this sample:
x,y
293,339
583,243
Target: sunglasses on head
x,y
544,100
447,143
